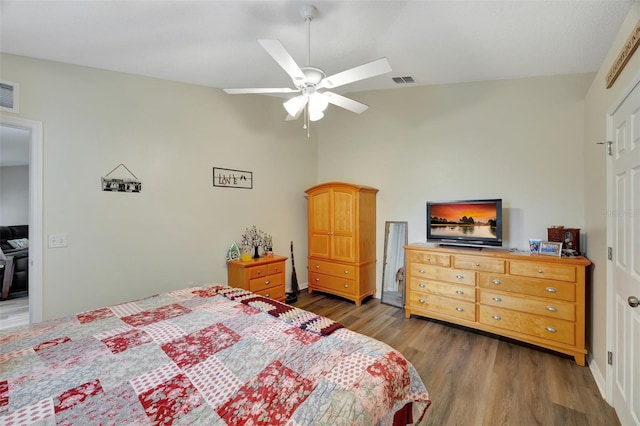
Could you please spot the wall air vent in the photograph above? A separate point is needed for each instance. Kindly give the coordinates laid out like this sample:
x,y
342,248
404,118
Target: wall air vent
x,y
9,96
403,80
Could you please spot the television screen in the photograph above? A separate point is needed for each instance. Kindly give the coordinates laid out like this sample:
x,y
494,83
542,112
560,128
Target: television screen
x,y
466,222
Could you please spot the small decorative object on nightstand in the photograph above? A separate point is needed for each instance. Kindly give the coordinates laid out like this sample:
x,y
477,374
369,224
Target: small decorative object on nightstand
x,y
256,239
569,237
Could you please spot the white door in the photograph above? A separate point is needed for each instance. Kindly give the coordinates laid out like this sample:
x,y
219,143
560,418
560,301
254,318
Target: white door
x,y
624,179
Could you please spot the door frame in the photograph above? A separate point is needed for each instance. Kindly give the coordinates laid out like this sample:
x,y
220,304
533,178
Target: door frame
x,y
35,210
610,326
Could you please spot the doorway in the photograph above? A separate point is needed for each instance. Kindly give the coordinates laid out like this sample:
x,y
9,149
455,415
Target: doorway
x,y
33,132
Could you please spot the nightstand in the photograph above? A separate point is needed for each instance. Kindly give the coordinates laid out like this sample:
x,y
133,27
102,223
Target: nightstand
x,y
264,276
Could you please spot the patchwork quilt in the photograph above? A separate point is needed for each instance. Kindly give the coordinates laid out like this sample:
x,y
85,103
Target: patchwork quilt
x,y
210,355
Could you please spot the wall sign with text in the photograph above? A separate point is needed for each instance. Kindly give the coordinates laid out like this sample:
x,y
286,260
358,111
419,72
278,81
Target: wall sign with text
x,y
230,178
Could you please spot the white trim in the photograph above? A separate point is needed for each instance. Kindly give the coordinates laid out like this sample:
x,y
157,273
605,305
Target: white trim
x,y
35,211
610,232
16,97
597,376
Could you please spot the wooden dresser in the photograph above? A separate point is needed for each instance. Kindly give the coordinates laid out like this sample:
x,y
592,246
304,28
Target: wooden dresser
x,y
264,276
342,240
533,298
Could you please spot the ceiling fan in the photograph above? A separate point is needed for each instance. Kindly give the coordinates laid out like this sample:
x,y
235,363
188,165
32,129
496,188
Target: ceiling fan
x,y
311,82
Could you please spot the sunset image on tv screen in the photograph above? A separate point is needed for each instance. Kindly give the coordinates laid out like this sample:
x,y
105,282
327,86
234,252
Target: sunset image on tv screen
x,y
464,213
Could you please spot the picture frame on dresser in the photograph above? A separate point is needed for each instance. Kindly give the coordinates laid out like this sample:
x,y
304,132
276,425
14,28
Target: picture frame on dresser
x,y
551,248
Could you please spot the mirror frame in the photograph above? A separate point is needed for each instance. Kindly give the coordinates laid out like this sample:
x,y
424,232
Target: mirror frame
x,y
387,226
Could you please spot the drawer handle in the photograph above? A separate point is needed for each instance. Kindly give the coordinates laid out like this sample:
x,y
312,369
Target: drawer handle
x,y
460,276
459,309
496,317
496,281
317,280
268,294
477,265
497,299
421,300
346,285
552,309
428,259
317,266
552,289
346,272
550,329
259,272
267,282
421,271
459,292
422,285
540,271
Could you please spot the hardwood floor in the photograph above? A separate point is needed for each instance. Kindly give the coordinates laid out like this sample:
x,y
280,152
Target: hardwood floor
x,y
475,378
14,312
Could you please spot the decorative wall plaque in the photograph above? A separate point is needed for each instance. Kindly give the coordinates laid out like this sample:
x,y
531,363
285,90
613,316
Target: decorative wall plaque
x,y
230,178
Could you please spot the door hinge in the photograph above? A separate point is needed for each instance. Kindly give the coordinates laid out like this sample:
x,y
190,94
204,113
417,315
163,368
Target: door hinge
x,y
608,144
610,358
610,253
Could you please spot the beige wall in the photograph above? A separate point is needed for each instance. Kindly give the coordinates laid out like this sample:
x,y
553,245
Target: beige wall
x,y
519,140
177,230
599,102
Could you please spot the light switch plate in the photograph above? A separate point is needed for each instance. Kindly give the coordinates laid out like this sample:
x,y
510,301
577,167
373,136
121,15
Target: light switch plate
x,y
57,240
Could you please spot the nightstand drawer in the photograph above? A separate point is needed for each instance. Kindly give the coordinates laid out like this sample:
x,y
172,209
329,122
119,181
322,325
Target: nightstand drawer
x,y
276,293
258,271
276,268
269,281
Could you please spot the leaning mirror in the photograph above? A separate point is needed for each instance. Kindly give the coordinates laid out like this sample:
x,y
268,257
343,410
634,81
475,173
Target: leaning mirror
x,y
393,273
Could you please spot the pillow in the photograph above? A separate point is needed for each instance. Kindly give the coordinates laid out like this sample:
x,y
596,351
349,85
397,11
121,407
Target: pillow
x,y
19,243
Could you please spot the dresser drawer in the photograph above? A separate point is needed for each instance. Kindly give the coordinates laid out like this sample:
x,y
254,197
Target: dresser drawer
x,y
428,258
457,276
543,270
258,271
443,305
533,325
549,308
276,293
529,286
330,268
478,263
332,284
461,292
276,268
258,284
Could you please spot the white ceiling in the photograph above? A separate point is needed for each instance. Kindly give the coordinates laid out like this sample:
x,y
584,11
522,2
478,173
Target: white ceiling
x,y
214,43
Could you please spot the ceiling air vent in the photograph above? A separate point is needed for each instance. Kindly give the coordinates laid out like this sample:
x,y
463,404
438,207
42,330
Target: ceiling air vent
x,y
403,80
9,96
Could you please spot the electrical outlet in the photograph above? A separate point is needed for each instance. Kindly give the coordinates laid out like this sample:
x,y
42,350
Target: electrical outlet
x,y
57,240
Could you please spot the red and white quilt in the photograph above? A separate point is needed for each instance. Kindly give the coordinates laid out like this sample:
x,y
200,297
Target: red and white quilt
x,y
210,355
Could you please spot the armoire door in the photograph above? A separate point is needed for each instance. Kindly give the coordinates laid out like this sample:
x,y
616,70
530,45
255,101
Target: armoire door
x,y
320,223
343,233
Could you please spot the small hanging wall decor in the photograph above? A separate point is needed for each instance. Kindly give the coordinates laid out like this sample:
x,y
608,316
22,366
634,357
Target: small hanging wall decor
x,y
112,184
230,178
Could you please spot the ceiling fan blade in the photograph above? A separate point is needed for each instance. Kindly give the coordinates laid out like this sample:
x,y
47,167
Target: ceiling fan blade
x,y
346,103
283,58
265,90
368,70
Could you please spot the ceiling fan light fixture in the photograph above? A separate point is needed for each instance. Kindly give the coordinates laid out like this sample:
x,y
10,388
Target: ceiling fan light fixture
x,y
315,115
294,105
318,102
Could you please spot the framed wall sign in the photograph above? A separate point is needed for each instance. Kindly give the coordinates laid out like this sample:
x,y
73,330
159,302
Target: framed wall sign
x,y
230,178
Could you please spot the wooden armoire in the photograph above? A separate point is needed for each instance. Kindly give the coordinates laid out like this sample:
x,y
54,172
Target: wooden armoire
x,y
342,240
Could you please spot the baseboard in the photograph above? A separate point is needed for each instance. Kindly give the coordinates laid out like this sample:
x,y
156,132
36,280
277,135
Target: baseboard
x,y
598,377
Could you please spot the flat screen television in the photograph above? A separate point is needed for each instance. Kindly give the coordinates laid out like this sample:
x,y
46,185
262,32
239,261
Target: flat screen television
x,y
474,223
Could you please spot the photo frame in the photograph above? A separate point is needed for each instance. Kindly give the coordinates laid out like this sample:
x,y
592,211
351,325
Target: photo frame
x,y
534,245
551,248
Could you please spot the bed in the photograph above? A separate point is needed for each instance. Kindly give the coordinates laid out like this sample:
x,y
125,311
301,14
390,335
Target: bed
x,y
213,355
